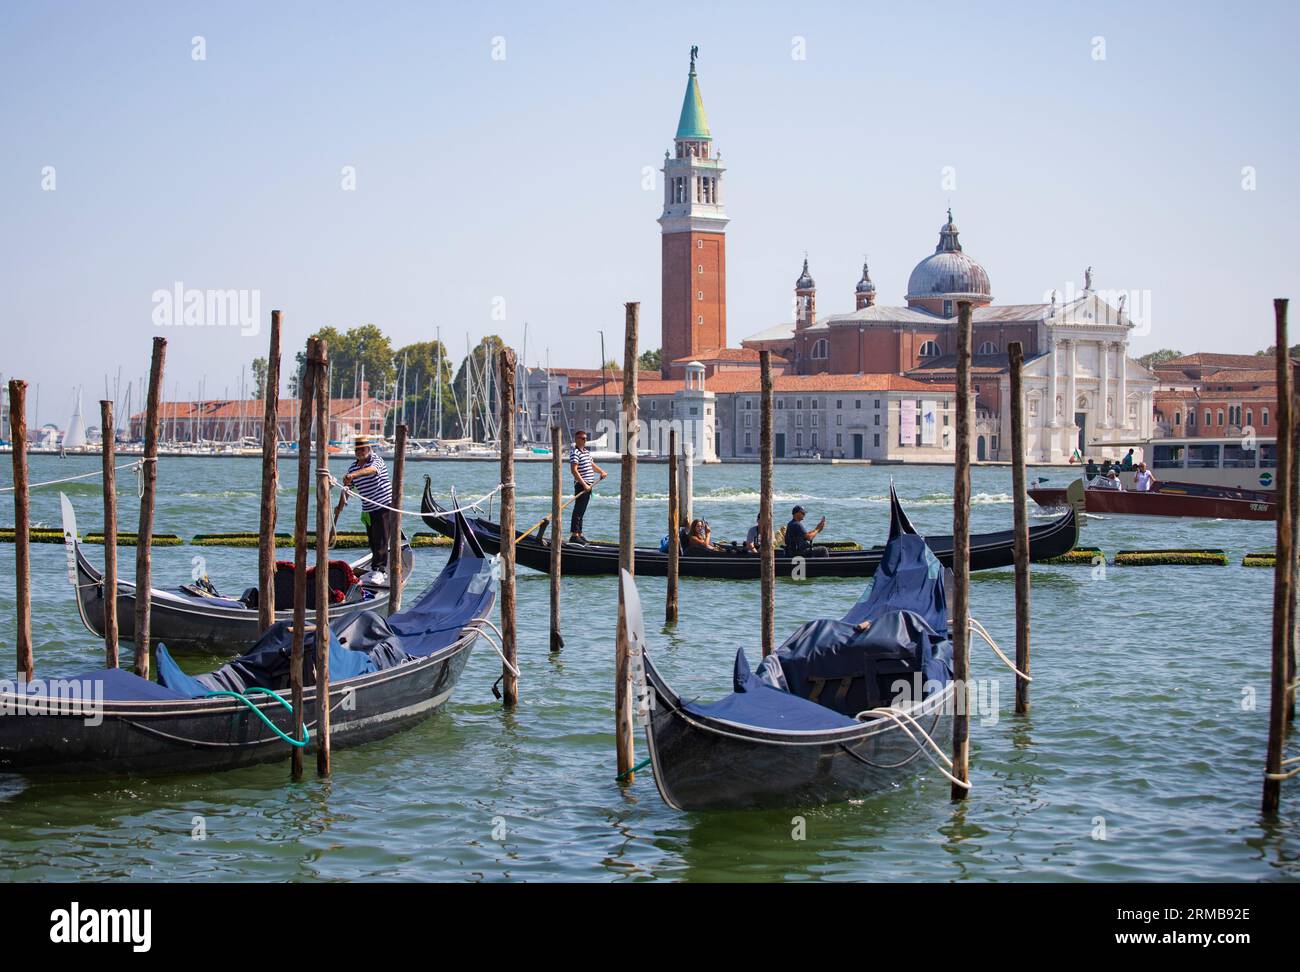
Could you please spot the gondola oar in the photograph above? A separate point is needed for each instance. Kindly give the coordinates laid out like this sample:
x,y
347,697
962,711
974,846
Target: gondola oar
x,y
544,519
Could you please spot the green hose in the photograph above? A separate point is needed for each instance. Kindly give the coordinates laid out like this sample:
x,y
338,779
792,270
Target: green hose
x,y
641,765
306,736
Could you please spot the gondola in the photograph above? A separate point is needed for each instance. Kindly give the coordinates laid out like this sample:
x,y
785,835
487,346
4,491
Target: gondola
x,y
987,550
197,618
387,674
835,713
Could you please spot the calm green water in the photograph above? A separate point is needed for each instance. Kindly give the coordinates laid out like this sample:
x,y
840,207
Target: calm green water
x,y
1138,725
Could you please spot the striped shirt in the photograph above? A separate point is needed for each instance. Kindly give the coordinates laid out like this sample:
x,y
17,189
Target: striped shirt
x,y
375,489
586,467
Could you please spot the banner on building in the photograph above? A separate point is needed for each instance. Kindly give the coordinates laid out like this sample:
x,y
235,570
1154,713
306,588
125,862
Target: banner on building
x,y
929,422
907,422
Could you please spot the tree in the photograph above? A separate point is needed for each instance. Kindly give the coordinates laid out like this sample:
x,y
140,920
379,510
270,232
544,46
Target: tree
x,y
612,365
1155,357
1271,351
364,347
650,360
259,378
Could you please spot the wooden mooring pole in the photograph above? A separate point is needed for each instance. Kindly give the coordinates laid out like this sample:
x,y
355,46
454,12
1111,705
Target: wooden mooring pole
x,y
509,635
623,723
144,538
306,391
22,530
557,535
323,636
766,538
109,459
270,479
1295,551
395,527
674,532
1283,572
1016,353
961,559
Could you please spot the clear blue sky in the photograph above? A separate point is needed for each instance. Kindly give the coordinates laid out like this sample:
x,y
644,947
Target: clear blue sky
x,y
479,178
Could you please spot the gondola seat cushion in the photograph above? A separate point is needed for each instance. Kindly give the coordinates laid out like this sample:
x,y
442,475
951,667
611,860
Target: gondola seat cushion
x,y
341,576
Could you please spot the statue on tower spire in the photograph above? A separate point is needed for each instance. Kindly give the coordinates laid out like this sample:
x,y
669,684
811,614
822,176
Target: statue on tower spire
x,y
695,52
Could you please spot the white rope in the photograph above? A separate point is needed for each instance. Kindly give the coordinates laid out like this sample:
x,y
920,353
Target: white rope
x,y
901,719
135,464
349,491
491,641
980,630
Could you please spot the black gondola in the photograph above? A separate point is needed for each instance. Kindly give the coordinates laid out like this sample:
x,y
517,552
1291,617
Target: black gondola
x,y
988,551
191,618
387,675
835,713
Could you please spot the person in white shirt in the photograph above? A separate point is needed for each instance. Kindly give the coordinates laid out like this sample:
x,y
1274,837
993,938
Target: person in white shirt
x,y
1144,481
1109,481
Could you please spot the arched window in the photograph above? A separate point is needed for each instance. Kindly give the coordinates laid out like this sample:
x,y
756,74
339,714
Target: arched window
x,y
930,349
1263,418
1219,414
820,348
1209,417
1250,416
988,347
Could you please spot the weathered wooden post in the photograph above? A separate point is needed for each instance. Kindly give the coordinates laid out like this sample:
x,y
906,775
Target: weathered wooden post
x,y
1295,550
686,488
1283,576
623,724
766,539
395,534
1016,353
961,559
109,457
506,435
144,538
674,531
270,479
323,635
557,535
306,391
22,529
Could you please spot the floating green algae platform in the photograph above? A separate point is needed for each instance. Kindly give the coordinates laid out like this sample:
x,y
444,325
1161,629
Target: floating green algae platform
x,y
1170,558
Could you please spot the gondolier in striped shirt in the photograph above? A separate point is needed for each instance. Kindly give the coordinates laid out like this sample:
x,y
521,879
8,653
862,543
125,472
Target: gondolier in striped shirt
x,y
585,473
369,476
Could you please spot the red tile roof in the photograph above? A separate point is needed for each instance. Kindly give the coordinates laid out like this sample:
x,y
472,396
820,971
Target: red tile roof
x,y
726,354
747,382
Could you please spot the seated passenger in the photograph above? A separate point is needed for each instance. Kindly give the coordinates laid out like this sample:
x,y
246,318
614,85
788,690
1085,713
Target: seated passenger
x,y
701,538
799,539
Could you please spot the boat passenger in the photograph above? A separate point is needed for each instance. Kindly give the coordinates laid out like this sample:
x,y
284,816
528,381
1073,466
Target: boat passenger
x,y
1106,468
1144,481
753,537
585,472
1127,462
1091,471
700,539
799,539
369,476
1109,481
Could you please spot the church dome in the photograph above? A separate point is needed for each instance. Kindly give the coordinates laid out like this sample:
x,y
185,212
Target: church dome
x,y
805,281
948,272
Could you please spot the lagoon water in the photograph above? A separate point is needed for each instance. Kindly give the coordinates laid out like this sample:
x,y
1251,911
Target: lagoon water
x,y
1141,759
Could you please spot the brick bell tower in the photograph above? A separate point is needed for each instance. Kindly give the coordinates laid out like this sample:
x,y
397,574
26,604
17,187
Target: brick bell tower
x,y
694,247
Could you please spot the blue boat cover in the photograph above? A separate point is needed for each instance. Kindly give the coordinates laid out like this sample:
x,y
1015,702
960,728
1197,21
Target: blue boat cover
x,y
904,653
361,644
115,684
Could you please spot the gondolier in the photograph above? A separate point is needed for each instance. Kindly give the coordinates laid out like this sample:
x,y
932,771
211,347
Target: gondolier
x,y
369,476
585,473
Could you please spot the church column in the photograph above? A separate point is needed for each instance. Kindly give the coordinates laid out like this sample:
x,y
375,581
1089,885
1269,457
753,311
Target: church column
x,y
1074,391
1105,382
1051,383
1121,405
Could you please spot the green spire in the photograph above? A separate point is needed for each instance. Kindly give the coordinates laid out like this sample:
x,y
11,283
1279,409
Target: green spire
x,y
693,124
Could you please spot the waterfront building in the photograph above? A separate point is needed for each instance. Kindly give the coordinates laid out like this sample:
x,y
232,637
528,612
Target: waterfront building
x,y
1206,395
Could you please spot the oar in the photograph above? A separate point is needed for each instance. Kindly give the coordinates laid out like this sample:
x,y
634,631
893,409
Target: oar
x,y
334,526
523,535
